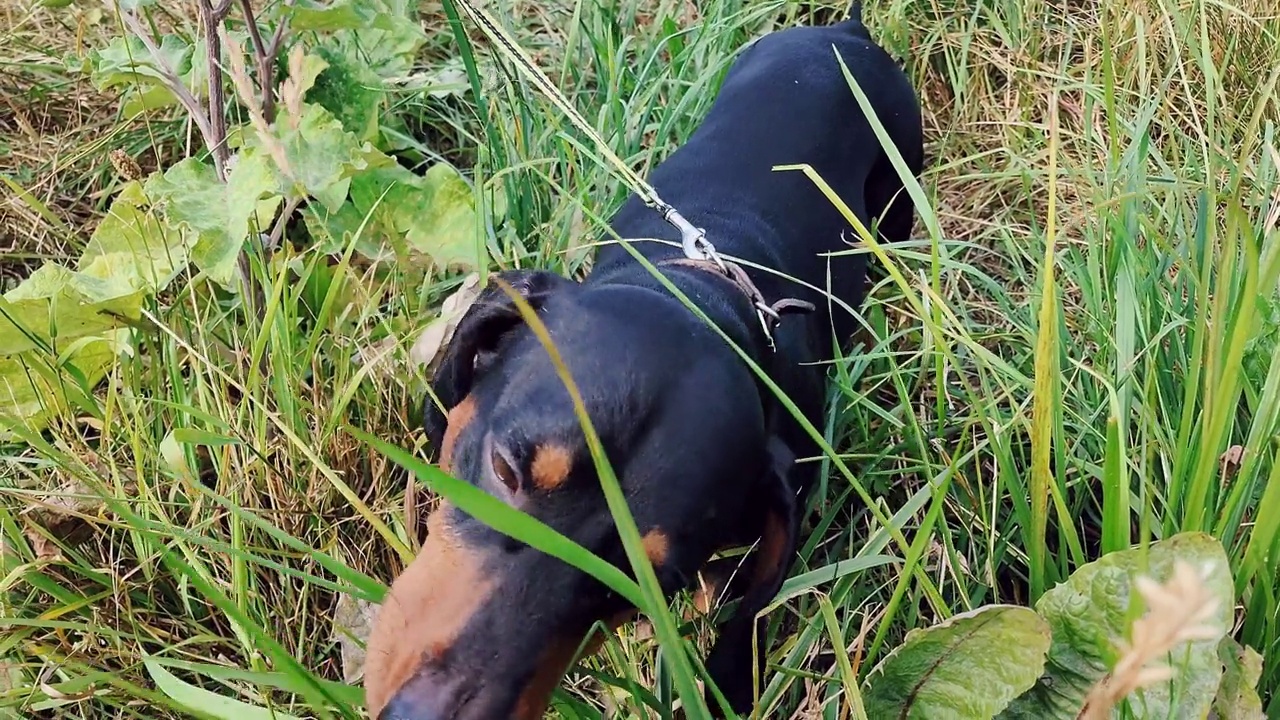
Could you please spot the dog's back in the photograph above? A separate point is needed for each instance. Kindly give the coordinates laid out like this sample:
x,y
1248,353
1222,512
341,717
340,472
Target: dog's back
x,y
785,101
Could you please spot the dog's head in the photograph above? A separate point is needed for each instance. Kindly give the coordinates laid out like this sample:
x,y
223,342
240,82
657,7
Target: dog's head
x,y
482,627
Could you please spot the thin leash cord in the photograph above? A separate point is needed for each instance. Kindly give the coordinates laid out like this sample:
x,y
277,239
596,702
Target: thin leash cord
x,y
692,239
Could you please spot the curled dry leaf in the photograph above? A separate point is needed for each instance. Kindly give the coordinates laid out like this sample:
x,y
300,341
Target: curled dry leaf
x,y
438,334
1230,461
352,622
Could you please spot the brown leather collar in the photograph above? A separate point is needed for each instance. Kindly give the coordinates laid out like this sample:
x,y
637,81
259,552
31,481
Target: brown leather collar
x,y
770,313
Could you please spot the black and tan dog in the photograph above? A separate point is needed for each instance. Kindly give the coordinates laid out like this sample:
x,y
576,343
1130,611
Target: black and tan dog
x,y
481,627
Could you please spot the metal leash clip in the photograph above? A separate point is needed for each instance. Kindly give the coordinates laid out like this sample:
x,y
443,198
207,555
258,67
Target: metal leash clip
x,y
693,239
697,248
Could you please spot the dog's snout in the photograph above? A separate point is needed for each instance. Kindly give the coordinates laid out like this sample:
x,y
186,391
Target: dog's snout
x,y
425,697
405,709
412,706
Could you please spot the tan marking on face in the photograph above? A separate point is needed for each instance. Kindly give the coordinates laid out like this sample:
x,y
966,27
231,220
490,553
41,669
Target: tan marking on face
x,y
427,607
656,546
551,465
554,663
459,417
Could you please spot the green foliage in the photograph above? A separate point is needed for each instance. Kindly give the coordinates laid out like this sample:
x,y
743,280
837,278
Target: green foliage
x,y
969,666
209,703
1012,662
349,89
1237,697
1094,608
219,214
323,155
128,65
396,215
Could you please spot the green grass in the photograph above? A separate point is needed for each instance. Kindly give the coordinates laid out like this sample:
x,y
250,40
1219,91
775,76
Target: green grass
x,y
1054,369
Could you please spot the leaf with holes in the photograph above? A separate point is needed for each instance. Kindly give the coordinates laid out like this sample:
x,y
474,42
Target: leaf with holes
x,y
1092,611
970,666
220,214
1237,697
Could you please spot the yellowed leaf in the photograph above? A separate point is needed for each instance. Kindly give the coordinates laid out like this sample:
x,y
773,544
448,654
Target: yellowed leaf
x,y
352,622
438,334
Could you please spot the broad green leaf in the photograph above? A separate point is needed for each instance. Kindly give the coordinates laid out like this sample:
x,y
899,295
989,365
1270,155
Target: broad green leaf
x,y
206,702
350,89
33,391
219,213
385,35
146,98
1237,697
322,156
57,303
411,218
336,15
133,245
125,60
126,63
439,220
390,46
1094,609
969,666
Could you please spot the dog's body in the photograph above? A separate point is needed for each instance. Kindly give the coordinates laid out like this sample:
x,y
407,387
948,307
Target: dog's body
x,y
482,627
785,102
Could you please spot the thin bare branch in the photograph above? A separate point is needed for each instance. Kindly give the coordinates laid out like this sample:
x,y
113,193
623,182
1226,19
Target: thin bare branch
x,y
264,57
211,23
199,115
282,28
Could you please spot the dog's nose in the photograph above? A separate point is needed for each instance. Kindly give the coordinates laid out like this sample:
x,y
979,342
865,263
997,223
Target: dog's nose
x,y
410,707
426,696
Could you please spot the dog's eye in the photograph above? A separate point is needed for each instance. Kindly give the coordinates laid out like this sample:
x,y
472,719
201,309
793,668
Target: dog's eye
x,y
503,468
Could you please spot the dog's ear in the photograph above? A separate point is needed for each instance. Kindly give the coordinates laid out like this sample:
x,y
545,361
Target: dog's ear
x,y
486,322
732,663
